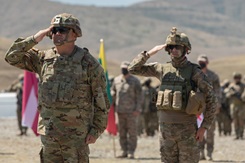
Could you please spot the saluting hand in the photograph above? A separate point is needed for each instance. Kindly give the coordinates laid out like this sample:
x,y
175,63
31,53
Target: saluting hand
x,y
156,49
42,33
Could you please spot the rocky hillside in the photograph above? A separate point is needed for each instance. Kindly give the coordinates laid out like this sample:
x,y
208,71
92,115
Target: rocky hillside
x,y
215,27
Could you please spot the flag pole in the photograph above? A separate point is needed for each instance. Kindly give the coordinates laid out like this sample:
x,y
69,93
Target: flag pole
x,y
111,126
114,146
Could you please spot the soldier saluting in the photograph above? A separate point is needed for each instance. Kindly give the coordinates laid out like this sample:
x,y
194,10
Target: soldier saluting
x,y
179,135
71,90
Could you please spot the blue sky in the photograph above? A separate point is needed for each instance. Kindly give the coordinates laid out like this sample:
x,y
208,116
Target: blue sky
x,y
101,2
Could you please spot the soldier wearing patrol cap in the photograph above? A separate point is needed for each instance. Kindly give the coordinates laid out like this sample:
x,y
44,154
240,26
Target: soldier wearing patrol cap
x,y
126,91
72,98
214,80
177,109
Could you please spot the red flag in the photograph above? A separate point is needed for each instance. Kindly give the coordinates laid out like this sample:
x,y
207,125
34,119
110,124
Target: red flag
x,y
111,125
29,102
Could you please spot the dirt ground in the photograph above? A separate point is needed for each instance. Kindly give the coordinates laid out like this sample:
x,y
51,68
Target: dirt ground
x,y
25,149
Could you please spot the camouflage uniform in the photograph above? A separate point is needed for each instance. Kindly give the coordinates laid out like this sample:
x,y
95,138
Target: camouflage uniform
x,y
225,115
149,109
209,140
72,97
17,86
237,105
178,129
127,94
19,92
214,80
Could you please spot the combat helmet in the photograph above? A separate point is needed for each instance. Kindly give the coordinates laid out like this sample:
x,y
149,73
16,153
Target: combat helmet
x,y
175,38
67,20
237,75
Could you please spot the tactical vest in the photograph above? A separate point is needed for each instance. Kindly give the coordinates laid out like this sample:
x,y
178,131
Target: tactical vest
x,y
64,80
175,87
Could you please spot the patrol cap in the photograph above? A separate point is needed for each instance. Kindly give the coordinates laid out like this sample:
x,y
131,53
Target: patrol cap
x,y
202,58
125,64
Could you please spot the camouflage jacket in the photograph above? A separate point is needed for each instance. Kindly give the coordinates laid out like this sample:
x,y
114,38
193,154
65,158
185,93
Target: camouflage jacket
x,y
234,93
214,80
127,94
138,66
148,94
83,108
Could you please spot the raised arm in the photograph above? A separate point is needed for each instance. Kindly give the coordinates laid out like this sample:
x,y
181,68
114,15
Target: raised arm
x,y
139,67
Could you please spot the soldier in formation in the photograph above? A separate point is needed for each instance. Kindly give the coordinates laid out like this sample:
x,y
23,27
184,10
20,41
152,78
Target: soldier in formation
x,y
224,116
236,96
177,109
72,98
213,78
17,86
126,92
149,109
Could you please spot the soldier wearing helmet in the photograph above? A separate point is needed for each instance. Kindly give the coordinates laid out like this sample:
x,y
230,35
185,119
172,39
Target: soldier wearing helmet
x,y
180,79
235,94
72,99
64,23
226,120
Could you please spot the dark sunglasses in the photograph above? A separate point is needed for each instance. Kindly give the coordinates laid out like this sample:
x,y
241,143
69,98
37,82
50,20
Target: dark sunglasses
x,y
61,30
178,47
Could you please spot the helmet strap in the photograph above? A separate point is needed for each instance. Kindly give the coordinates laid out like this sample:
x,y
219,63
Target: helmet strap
x,y
65,41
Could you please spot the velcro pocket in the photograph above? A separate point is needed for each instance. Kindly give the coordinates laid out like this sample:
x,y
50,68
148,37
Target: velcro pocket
x,y
167,99
159,98
177,100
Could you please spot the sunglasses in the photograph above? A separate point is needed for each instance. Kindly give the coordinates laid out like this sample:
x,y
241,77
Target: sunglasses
x,y
178,47
61,30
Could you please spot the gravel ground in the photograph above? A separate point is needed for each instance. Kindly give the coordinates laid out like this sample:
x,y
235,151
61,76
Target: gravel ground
x,y
25,149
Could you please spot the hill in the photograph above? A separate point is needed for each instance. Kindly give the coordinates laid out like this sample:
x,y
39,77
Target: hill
x,y
215,27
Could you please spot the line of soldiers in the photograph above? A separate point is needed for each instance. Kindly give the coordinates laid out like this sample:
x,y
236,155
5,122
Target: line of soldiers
x,y
233,106
230,108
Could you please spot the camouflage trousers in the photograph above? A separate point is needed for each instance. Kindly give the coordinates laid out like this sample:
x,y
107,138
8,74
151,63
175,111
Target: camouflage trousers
x,y
209,140
63,150
178,143
127,132
238,119
224,123
151,123
23,130
148,123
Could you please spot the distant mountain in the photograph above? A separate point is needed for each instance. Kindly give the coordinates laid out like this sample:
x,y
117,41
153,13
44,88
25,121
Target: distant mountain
x,y
215,27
